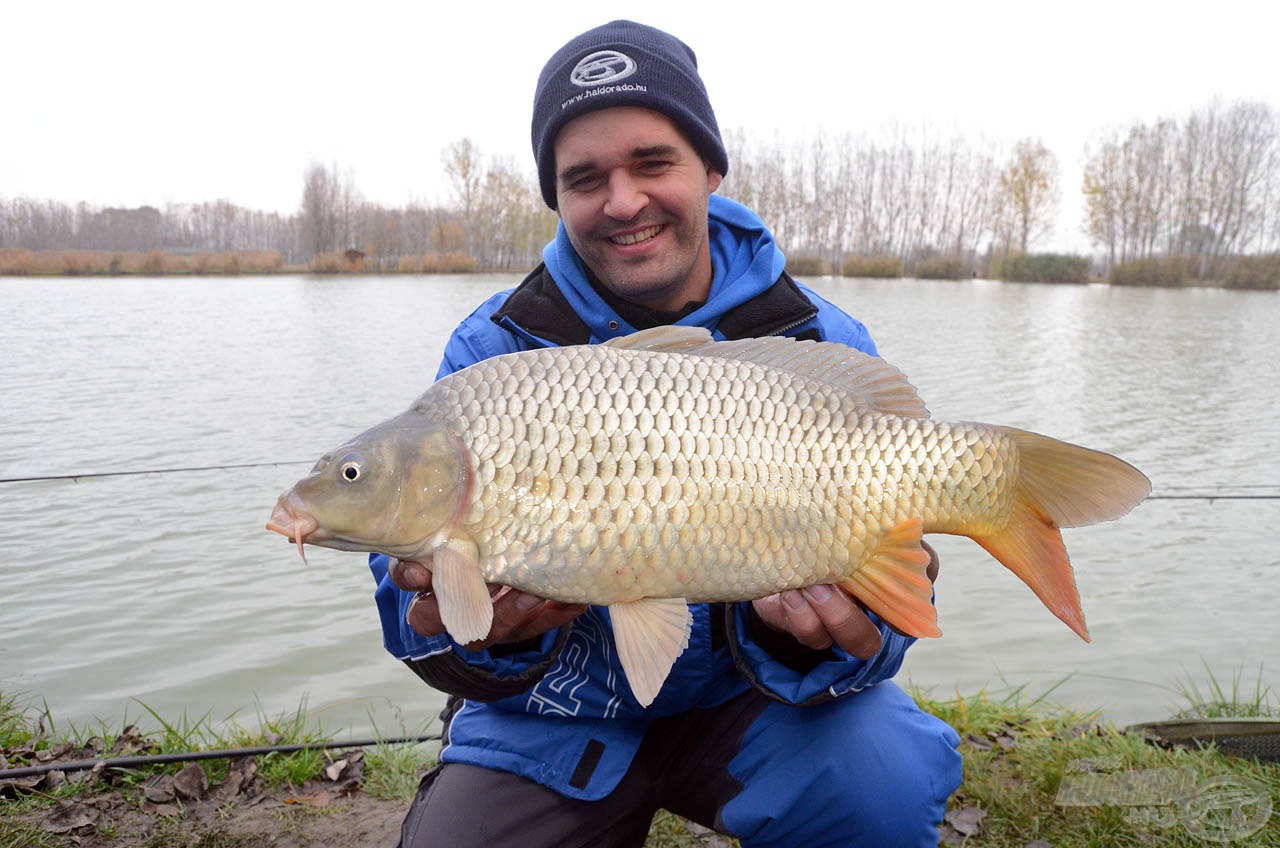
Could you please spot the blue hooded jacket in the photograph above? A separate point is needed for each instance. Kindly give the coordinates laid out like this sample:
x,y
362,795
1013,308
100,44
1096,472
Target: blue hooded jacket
x,y
558,710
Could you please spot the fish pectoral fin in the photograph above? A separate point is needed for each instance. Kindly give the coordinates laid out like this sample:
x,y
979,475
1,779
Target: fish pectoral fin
x,y
465,607
650,634
894,583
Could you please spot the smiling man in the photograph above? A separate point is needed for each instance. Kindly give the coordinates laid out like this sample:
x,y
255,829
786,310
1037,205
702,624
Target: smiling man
x,y
778,724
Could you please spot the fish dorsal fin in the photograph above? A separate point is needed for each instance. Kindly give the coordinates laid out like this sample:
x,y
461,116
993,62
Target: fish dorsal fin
x,y
878,385
666,338
651,634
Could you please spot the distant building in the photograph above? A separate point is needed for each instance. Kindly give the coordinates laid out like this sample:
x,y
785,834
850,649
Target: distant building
x,y
355,260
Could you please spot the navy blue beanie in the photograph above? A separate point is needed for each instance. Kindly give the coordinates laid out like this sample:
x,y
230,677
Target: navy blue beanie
x,y
622,64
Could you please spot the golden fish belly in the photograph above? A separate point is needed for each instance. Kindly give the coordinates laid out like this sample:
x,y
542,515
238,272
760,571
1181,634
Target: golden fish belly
x,y
604,475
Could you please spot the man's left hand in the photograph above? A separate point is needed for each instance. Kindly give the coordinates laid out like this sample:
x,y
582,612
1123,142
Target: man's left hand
x,y
821,616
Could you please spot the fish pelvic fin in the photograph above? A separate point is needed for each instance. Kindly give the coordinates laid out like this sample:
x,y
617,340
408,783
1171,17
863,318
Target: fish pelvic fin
x,y
651,634
894,584
1059,485
465,606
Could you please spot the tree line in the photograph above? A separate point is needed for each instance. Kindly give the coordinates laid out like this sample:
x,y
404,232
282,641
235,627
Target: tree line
x,y
1204,188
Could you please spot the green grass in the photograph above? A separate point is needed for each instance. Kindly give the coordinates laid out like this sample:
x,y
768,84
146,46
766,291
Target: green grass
x,y
1019,751
1216,700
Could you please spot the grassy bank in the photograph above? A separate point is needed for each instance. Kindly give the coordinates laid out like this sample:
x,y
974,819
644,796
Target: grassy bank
x,y
1035,774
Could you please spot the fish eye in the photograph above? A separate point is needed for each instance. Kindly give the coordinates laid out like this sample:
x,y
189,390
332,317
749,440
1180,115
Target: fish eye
x,y
351,468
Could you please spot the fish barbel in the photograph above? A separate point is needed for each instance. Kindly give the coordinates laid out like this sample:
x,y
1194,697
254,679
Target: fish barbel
x,y
663,468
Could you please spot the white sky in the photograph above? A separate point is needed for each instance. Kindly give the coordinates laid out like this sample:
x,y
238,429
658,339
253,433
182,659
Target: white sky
x,y
130,102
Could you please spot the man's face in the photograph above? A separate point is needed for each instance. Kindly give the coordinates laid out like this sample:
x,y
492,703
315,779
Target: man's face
x,y
632,194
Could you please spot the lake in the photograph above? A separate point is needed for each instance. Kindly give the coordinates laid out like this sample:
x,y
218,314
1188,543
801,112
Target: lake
x,y
165,590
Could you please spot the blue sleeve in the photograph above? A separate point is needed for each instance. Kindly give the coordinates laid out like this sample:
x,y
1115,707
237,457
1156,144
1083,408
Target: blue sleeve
x,y
440,660
404,643
841,673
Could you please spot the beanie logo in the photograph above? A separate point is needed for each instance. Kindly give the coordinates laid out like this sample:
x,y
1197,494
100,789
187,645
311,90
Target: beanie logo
x,y
602,67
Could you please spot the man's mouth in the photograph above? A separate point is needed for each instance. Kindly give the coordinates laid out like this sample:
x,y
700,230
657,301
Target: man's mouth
x,y
638,236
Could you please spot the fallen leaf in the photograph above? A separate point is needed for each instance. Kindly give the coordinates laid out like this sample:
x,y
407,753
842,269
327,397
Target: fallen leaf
x,y
69,816
191,782
967,821
159,789
240,776
15,786
947,835
320,799
978,742
53,779
167,810
334,770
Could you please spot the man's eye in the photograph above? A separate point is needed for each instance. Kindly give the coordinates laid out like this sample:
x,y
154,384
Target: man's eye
x,y
654,167
584,183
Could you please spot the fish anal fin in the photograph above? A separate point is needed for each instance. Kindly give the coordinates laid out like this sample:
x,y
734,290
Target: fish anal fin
x,y
894,583
465,607
651,634
1030,545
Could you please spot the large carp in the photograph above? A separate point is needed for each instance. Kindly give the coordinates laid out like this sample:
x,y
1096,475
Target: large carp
x,y
663,468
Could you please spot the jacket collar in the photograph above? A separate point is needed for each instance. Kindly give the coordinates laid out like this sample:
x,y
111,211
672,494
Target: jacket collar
x,y
538,311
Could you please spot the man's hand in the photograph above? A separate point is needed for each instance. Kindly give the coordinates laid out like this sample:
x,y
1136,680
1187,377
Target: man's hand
x,y
821,616
517,615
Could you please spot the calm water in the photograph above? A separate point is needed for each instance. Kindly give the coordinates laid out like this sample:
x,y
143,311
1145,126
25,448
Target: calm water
x,y
167,589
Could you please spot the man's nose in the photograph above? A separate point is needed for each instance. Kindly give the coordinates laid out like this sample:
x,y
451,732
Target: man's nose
x,y
626,198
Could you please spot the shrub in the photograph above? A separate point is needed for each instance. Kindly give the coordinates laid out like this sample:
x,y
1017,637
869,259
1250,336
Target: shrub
x,y
202,263
1253,272
806,266
409,263
942,268
231,263
451,262
1159,271
1045,268
872,266
262,261
78,263
152,264
16,262
326,263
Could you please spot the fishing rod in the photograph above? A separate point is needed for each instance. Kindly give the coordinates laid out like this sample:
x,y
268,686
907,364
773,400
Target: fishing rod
x,y
91,474
193,756
1226,493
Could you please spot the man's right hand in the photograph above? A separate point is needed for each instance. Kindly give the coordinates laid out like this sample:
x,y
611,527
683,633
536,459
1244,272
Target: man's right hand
x,y
517,615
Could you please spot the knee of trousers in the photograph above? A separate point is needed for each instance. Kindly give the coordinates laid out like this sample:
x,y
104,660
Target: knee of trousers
x,y
867,769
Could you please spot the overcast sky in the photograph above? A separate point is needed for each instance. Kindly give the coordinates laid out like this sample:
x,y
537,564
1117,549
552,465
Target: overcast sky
x,y
129,102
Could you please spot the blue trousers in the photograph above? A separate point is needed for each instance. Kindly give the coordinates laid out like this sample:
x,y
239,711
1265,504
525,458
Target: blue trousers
x,y
867,769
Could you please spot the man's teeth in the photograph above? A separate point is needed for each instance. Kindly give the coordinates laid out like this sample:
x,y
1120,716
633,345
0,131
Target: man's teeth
x,y
636,237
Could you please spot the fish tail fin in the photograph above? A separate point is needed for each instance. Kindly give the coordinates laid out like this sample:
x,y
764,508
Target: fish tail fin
x,y
893,582
1059,485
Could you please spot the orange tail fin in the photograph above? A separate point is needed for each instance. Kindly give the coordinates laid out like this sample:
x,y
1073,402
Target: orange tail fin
x,y
1059,485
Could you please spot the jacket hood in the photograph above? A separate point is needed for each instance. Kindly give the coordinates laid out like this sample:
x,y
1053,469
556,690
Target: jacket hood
x,y
745,262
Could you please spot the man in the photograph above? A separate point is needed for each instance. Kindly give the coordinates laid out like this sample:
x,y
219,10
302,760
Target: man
x,y
778,724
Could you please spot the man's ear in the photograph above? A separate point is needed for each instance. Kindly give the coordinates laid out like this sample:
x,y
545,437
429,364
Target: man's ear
x,y
714,178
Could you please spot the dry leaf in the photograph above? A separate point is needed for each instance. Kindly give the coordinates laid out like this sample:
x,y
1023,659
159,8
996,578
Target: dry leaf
x,y
191,782
967,821
320,799
159,789
69,816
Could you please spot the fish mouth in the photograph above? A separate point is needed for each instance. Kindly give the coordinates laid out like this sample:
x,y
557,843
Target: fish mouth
x,y
293,524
